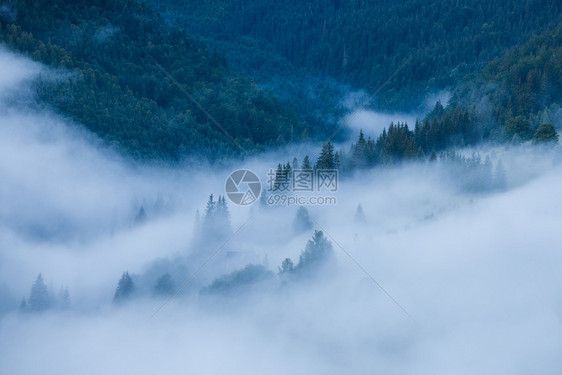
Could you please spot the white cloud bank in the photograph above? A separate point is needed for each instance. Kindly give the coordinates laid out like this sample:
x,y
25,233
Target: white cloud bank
x,y
479,274
373,122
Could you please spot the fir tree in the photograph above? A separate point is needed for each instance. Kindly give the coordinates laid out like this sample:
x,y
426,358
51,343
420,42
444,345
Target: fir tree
x,y
433,156
287,267
210,208
125,289
39,299
288,173
295,163
222,217
326,158
306,165
317,252
337,160
216,223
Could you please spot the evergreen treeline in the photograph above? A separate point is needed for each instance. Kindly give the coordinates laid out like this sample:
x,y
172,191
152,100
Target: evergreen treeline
x,y
441,129
42,298
316,255
118,92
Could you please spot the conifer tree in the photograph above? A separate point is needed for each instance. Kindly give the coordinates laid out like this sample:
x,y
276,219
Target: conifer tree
x,y
306,165
326,158
125,289
39,298
316,253
295,163
286,267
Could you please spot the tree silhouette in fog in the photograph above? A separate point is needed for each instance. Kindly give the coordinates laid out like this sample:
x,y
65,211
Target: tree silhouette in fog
x,y
125,289
39,299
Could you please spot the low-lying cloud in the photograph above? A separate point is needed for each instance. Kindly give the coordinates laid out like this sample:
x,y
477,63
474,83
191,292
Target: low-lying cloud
x,y
373,122
478,273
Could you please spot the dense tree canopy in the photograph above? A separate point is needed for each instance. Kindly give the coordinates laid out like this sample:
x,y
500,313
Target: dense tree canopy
x,y
117,53
399,50
546,133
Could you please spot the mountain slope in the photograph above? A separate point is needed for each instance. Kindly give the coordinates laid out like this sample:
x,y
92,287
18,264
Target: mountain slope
x,y
118,92
397,50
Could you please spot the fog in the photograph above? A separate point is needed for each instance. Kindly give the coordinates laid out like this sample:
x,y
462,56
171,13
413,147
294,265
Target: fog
x,y
373,122
431,279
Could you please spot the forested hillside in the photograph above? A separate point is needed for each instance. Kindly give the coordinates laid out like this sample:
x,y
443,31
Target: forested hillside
x,y
529,77
398,50
118,92
304,56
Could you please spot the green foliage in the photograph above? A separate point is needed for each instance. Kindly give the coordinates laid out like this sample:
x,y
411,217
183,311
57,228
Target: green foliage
x,y
118,91
518,126
447,127
317,253
287,267
528,77
363,152
398,49
216,222
239,280
442,128
327,158
397,144
546,133
306,165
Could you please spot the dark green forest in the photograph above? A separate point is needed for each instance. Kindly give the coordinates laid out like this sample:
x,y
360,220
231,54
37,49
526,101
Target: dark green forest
x,y
273,72
117,90
398,50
